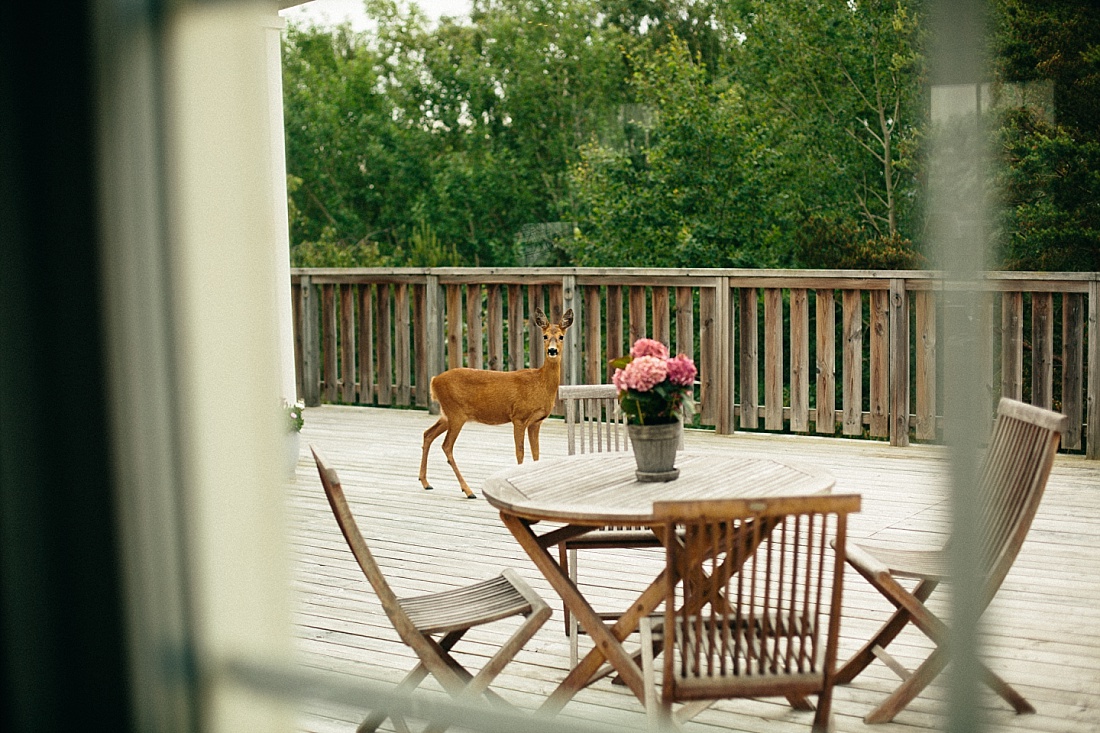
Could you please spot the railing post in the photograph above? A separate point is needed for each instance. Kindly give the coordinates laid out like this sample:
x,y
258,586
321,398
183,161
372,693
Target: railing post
x,y
899,363
573,357
311,344
433,332
1092,415
724,356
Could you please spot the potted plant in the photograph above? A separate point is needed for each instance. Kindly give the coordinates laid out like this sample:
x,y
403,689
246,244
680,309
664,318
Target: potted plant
x,y
293,420
655,393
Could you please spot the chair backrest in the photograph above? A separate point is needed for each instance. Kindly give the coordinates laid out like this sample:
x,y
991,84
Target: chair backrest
x,y
593,421
753,597
340,509
1014,475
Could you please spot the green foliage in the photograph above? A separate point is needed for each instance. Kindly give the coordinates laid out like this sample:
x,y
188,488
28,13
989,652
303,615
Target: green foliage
x,y
832,243
1051,184
469,130
294,416
1059,41
738,133
689,196
1050,172
840,87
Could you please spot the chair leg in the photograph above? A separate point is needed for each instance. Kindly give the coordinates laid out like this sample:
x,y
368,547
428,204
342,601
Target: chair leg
x,y
563,560
649,675
908,689
572,627
411,681
883,637
1007,692
823,718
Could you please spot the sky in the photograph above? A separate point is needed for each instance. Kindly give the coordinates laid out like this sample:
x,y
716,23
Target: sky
x,y
333,12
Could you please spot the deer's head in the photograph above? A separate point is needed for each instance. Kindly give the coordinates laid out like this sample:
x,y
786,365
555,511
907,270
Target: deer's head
x,y
553,334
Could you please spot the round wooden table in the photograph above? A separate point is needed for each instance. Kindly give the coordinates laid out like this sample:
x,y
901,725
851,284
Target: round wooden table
x,y
600,490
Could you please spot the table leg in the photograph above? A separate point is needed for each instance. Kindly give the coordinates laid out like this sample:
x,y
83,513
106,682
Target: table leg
x,y
608,640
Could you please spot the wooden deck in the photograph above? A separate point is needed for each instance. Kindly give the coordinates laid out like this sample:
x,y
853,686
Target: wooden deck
x,y
1042,631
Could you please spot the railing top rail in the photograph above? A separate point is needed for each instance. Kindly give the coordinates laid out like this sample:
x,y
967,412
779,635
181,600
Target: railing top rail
x,y
841,279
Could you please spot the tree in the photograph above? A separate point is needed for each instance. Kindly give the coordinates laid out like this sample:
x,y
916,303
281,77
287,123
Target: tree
x,y
468,130
841,85
685,194
1050,173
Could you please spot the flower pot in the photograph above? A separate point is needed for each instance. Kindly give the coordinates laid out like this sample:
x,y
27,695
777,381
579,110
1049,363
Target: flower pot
x,y
292,446
655,450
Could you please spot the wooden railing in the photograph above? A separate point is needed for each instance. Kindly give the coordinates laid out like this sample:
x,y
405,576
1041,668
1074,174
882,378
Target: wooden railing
x,y
853,353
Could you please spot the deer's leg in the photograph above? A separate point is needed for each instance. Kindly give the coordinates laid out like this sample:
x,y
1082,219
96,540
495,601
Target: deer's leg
x,y
517,432
448,450
533,438
429,437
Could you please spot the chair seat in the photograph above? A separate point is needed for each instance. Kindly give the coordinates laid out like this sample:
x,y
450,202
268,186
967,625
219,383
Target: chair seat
x,y
921,564
473,605
616,537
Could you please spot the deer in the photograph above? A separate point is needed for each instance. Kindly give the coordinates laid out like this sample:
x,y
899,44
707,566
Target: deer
x,y
523,398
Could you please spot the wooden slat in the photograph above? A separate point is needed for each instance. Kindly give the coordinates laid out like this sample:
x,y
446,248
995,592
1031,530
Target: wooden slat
x,y
421,362
556,297
517,326
1092,408
535,299
384,343
899,363
495,327
296,316
773,359
1012,345
1073,351
685,322
725,355
825,309
747,327
594,366
800,361
402,367
614,325
1042,350
310,343
708,357
366,344
853,362
662,330
880,363
636,326
987,350
925,304
347,345
454,326
473,327
328,341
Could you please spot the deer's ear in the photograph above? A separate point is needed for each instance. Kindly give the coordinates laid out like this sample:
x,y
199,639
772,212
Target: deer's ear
x,y
566,319
540,318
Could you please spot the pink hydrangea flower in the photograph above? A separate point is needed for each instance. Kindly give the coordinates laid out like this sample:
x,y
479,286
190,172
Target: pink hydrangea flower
x,y
649,347
681,370
642,374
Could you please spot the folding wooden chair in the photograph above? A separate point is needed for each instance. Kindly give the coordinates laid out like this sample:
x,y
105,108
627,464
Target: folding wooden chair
x,y
594,424
753,602
448,614
1014,475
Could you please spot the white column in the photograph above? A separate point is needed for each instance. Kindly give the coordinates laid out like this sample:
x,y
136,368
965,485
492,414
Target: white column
x,y
220,195
273,32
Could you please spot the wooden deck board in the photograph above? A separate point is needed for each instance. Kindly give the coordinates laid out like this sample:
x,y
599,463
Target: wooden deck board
x,y
1042,632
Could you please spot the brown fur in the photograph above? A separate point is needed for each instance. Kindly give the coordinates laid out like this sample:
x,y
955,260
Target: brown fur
x,y
523,398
